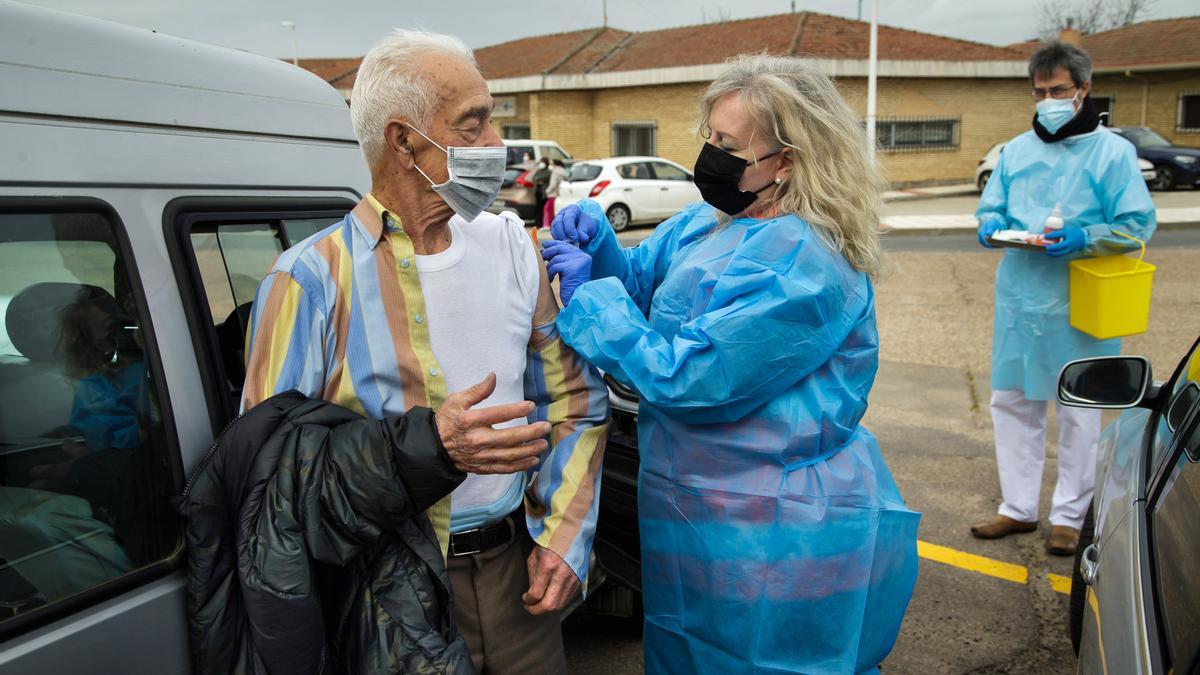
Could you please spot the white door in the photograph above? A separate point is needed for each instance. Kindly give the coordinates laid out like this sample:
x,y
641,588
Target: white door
x,y
637,189
675,188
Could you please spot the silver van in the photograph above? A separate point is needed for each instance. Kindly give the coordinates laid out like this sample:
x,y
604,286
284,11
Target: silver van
x,y
146,185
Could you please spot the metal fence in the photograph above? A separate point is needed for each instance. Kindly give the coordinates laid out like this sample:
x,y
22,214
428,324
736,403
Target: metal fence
x,y
917,134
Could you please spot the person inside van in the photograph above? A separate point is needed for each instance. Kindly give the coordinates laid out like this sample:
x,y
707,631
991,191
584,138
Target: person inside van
x,y
419,292
99,355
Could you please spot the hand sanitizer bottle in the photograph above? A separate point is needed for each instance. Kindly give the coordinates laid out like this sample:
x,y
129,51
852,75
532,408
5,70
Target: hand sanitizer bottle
x,y
1054,221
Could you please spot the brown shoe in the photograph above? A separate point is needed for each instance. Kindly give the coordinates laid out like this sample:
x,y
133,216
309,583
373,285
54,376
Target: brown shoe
x,y
1001,526
1063,540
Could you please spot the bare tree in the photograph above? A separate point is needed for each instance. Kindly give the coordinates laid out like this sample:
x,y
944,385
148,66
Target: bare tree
x,y
1128,12
1089,16
721,16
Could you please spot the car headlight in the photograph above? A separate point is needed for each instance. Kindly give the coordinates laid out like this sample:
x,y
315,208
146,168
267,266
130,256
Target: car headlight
x,y
1186,159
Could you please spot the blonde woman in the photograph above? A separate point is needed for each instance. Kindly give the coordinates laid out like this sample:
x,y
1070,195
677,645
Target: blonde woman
x,y
773,536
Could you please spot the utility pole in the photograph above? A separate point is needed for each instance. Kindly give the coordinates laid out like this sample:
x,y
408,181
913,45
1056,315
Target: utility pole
x,y
295,49
606,13
860,10
872,78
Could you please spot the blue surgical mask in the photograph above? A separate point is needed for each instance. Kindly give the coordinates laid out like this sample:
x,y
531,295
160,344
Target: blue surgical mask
x,y
1053,113
475,177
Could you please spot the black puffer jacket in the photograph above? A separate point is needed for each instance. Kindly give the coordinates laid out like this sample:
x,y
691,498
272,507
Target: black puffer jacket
x,y
309,550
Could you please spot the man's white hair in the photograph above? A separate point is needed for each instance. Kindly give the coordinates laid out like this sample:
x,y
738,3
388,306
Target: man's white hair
x,y
390,84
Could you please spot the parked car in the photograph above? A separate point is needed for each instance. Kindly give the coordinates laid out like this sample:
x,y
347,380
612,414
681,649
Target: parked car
x,y
1135,596
520,151
517,192
630,189
1175,165
983,172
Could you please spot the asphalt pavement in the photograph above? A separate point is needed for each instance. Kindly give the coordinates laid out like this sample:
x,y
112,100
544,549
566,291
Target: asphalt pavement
x,y
929,409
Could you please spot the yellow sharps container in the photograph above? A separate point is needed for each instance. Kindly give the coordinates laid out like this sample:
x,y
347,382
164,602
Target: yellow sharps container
x,y
1110,295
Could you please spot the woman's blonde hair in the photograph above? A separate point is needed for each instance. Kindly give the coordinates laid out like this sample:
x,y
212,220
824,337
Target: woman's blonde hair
x,y
834,185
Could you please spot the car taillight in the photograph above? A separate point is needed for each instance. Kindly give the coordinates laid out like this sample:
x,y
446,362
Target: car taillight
x,y
523,180
598,188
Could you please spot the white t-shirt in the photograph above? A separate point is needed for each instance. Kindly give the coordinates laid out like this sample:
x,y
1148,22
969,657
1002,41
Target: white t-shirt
x,y
480,295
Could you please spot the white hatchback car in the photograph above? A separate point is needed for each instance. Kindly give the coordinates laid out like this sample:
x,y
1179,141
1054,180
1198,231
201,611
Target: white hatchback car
x,y
630,189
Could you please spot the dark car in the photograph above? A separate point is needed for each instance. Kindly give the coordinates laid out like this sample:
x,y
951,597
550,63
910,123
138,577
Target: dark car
x,y
1174,165
618,545
1135,596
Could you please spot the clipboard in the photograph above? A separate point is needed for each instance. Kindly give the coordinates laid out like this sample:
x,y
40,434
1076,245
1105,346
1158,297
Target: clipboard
x,y
1016,239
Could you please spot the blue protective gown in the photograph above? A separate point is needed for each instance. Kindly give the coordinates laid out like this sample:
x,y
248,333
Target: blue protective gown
x,y
774,538
1096,181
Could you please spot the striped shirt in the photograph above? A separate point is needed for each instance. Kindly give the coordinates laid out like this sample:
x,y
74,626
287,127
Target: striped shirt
x,y
339,317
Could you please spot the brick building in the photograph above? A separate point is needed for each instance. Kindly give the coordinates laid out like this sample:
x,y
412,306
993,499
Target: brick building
x,y
1146,75
942,102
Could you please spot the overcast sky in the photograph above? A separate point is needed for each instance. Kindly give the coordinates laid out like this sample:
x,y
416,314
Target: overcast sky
x,y
331,28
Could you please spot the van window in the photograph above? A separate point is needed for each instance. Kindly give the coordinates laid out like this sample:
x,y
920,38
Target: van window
x,y
84,462
228,249
554,152
520,153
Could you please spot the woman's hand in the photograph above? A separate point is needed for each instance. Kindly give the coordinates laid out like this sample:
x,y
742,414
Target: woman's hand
x,y
575,226
571,265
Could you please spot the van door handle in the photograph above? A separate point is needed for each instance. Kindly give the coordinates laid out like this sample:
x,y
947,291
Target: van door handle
x,y
628,190
1089,564
664,189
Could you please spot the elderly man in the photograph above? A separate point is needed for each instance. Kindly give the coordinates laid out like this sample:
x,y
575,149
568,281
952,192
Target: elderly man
x,y
1078,183
417,293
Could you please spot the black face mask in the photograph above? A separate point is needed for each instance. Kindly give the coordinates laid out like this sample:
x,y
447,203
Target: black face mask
x,y
718,174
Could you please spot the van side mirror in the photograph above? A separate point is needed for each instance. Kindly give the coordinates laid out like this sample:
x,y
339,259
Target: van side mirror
x,y
1105,382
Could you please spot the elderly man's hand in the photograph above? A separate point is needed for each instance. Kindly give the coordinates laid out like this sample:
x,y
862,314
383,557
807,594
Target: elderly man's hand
x,y
474,446
552,582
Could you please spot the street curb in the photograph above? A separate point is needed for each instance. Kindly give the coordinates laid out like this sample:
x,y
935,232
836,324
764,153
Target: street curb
x,y
938,231
921,198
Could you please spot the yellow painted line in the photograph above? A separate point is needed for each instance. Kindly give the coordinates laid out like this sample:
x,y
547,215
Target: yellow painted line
x,y
993,568
1060,583
1091,600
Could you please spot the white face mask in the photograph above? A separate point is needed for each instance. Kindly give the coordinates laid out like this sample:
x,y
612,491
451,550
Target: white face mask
x,y
475,177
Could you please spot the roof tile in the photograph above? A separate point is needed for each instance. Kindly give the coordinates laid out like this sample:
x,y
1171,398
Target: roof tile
x,y
804,34
1150,43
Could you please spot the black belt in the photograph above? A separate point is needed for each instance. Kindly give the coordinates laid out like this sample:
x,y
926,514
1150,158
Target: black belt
x,y
480,539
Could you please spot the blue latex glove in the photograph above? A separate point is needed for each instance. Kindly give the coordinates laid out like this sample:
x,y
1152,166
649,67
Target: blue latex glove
x,y
1070,240
572,266
987,228
573,225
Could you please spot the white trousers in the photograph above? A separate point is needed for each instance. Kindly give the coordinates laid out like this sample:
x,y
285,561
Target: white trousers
x,y
1020,427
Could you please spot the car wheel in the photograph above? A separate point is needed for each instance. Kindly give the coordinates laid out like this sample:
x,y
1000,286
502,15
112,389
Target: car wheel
x,y
1165,178
983,180
1087,535
618,215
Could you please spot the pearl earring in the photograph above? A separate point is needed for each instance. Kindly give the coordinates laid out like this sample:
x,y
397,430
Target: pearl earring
x,y
778,181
